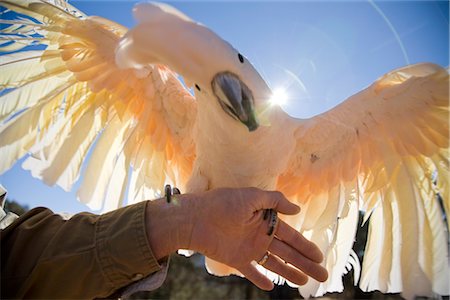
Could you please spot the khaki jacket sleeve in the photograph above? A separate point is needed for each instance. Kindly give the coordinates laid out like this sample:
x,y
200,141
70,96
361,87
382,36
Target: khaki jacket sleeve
x,y
87,256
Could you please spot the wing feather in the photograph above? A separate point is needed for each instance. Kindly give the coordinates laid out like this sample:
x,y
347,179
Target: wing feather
x,y
53,136
28,96
19,134
119,179
390,143
65,167
70,101
24,67
100,168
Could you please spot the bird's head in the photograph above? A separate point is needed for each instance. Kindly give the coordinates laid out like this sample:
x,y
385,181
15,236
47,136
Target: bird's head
x,y
218,72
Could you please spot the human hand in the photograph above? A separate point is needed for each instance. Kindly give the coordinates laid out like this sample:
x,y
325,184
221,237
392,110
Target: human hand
x,y
228,226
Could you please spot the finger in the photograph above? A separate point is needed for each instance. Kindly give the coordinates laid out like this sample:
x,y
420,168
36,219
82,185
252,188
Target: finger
x,y
295,239
276,265
258,279
277,201
295,258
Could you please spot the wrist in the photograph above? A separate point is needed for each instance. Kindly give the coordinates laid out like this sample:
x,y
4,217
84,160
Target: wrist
x,y
169,225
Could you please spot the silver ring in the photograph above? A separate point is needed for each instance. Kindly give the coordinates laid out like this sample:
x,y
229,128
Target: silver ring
x,y
265,258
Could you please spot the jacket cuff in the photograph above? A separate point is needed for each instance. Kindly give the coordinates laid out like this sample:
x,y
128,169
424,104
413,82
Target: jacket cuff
x,y
122,247
149,283
2,196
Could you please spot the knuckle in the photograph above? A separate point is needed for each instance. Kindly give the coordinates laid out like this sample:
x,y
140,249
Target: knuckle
x,y
277,194
252,190
292,238
256,190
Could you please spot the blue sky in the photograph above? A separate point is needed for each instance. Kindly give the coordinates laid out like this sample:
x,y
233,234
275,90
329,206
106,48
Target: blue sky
x,y
321,52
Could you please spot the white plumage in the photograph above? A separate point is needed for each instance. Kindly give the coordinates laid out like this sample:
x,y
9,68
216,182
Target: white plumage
x,y
97,85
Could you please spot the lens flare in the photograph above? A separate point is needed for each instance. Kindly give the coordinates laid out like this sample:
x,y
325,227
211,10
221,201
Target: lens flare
x,y
279,97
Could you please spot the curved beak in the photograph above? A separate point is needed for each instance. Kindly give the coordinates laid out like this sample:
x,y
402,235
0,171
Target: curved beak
x,y
235,98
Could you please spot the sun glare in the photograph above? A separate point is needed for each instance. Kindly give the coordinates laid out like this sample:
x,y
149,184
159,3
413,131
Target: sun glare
x,y
279,97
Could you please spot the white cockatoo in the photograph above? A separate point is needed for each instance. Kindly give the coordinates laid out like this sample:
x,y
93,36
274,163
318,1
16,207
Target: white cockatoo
x,y
97,85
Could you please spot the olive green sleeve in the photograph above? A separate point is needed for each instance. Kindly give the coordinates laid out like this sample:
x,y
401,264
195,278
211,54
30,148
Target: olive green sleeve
x,y
87,256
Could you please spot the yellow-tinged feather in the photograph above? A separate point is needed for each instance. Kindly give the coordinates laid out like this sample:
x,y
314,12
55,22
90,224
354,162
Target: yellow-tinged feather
x,y
18,135
50,112
31,94
119,179
322,237
27,27
6,44
65,167
19,29
115,193
15,136
437,245
42,11
389,274
51,140
134,190
336,197
157,176
315,209
78,64
101,164
103,81
20,68
424,194
346,226
91,73
414,279
21,6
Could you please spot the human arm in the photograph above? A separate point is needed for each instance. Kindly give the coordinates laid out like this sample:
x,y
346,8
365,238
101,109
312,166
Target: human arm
x,y
88,256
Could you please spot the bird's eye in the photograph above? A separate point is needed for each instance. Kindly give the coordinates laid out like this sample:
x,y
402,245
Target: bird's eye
x,y
241,58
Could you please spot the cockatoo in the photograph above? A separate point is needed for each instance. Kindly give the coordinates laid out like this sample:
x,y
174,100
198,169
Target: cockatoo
x,y
98,85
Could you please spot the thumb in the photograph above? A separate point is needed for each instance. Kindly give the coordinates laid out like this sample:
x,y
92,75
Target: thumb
x,y
276,200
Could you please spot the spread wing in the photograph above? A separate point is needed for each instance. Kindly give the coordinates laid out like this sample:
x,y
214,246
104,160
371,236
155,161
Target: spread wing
x,y
384,151
63,100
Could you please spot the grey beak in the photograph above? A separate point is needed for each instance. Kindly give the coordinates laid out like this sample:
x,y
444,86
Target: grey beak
x,y
235,98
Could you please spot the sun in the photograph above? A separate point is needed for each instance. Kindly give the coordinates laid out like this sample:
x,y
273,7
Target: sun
x,y
279,97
